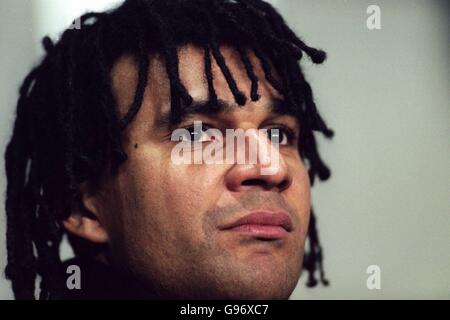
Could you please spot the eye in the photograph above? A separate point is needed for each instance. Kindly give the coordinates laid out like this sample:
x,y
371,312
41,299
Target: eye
x,y
280,135
197,135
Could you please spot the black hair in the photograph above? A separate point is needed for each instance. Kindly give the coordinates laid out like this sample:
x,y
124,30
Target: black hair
x,y
67,129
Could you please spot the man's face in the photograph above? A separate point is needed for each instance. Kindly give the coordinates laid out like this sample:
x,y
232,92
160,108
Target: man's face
x,y
166,222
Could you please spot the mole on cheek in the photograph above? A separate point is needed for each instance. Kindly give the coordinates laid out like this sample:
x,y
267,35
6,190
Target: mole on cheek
x,y
136,146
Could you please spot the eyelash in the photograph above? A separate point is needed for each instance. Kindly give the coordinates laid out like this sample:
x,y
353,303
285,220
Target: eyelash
x,y
290,133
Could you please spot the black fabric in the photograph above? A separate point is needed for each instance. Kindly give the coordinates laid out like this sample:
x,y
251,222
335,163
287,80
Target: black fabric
x,y
102,282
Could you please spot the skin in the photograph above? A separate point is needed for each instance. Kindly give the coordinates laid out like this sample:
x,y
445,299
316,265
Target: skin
x,y
162,221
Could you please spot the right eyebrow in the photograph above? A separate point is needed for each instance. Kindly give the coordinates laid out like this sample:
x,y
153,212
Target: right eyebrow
x,y
198,107
203,107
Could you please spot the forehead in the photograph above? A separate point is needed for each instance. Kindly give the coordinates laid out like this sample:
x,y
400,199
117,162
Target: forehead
x,y
192,75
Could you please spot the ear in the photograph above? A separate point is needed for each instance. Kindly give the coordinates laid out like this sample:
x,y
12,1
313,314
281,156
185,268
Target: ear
x,y
84,219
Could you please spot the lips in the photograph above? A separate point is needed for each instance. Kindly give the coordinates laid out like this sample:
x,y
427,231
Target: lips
x,y
262,224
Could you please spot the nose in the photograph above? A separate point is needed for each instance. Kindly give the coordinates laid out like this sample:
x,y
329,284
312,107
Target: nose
x,y
270,172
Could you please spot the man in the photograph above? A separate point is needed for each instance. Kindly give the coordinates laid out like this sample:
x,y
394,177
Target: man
x,y
91,156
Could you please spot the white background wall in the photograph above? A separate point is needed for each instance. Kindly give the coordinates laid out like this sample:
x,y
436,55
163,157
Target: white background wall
x,y
386,94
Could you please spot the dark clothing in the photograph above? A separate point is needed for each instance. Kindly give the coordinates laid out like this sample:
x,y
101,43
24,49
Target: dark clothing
x,y
101,282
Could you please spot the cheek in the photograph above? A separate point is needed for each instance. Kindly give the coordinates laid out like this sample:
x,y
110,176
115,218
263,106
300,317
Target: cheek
x,y
166,196
189,191
299,195
155,206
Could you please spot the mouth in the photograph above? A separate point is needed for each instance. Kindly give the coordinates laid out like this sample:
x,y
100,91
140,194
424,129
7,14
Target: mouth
x,y
265,225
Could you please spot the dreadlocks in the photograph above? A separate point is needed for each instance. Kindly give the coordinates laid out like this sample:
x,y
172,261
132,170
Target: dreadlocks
x,y
67,130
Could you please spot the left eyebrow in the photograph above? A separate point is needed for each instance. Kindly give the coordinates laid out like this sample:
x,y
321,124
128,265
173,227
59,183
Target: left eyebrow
x,y
203,107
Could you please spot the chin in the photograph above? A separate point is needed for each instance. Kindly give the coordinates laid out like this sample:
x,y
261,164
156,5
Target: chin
x,y
260,292
258,286
269,281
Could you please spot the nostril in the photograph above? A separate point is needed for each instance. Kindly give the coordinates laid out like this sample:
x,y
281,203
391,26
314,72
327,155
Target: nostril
x,y
283,184
254,182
